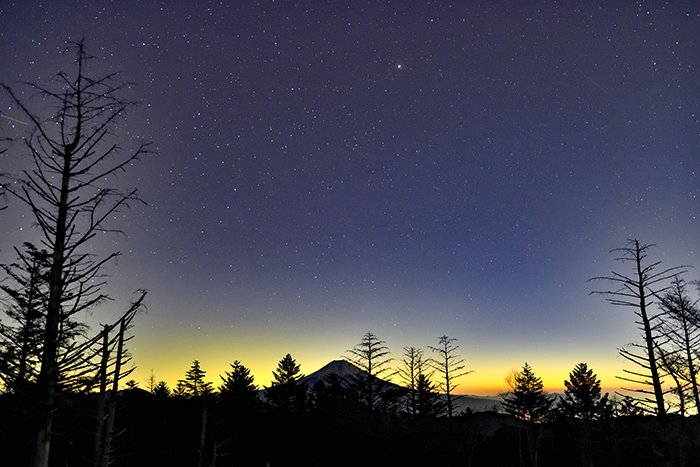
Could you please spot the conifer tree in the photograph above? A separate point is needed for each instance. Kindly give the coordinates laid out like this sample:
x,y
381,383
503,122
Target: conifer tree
x,y
428,403
237,388
238,381
582,397
194,385
180,391
287,392
161,389
528,401
21,337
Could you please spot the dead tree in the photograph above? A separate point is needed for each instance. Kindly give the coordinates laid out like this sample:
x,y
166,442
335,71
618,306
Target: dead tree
x,y
636,290
450,367
2,175
72,158
411,368
111,369
371,356
680,326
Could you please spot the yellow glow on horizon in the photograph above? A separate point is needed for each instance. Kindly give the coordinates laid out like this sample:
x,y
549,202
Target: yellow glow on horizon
x,y
169,353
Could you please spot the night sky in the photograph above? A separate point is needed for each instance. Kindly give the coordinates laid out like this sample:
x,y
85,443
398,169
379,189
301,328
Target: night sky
x,y
411,168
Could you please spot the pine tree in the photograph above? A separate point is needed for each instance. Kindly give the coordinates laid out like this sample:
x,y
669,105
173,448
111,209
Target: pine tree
x,y
428,403
237,386
238,381
20,342
287,372
582,396
161,389
528,401
287,392
194,385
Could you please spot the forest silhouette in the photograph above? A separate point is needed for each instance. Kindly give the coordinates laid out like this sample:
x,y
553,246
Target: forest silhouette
x,y
67,398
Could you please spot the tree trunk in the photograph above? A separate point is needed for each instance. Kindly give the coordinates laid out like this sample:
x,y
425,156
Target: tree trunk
x,y
48,375
648,336
691,366
101,404
112,401
202,436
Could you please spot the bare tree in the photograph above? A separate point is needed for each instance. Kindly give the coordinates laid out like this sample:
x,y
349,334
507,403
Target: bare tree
x,y
72,158
671,363
636,290
411,368
3,150
371,356
111,347
450,367
511,377
680,327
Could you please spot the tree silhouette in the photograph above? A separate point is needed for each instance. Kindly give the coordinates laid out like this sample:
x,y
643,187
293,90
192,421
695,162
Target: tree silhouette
x,y
582,397
20,342
110,346
412,366
180,391
161,389
671,364
194,384
635,290
237,390
287,392
681,329
627,406
194,387
371,356
65,190
333,397
238,382
428,403
132,384
450,367
528,401
3,150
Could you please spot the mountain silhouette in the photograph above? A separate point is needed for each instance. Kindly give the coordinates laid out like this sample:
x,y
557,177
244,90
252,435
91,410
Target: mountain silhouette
x,y
349,373
343,368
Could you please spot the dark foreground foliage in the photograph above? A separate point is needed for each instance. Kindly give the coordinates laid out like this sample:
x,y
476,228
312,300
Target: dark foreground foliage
x,y
157,431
